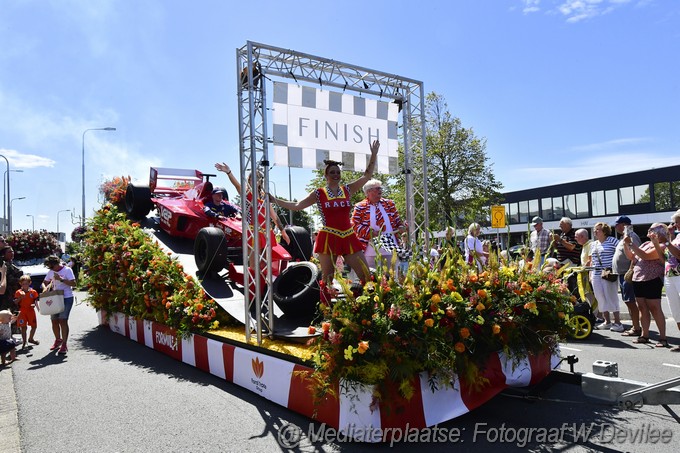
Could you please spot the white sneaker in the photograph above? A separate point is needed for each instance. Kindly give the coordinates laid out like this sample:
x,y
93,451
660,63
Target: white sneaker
x,y
617,327
604,326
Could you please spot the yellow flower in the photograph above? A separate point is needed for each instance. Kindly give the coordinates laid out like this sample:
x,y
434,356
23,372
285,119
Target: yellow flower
x,y
480,306
348,352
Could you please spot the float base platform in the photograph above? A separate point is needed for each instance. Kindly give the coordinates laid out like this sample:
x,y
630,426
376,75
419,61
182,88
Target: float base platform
x,y
353,412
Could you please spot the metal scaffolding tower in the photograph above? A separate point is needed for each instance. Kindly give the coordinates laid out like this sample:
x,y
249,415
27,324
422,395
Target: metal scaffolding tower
x,y
257,63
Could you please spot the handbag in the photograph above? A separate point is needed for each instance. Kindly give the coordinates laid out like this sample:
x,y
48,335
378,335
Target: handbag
x,y
628,276
608,275
607,271
51,301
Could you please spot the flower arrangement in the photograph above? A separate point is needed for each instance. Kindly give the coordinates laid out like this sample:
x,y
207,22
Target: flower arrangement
x,y
32,245
78,233
114,190
444,320
129,273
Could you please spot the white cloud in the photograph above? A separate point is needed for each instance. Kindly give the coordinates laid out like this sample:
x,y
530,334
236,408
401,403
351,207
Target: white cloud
x,y
579,10
19,160
531,6
605,163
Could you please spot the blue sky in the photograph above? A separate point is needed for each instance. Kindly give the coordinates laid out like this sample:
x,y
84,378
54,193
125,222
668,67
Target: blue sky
x,y
562,90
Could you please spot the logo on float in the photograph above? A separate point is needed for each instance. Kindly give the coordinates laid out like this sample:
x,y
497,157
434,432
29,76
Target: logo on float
x,y
167,340
258,370
258,367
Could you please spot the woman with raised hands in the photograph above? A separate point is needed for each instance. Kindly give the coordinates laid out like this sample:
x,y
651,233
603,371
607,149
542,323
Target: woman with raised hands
x,y
336,237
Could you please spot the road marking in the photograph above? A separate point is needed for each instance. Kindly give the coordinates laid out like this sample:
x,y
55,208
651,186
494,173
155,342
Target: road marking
x,y
570,349
671,364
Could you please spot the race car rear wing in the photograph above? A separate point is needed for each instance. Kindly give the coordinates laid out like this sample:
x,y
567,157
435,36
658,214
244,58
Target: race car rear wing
x,y
173,181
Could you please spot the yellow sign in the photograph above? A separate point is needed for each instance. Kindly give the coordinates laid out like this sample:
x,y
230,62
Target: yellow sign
x,y
498,216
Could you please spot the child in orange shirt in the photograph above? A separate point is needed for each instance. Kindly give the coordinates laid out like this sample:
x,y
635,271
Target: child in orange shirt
x,y
25,298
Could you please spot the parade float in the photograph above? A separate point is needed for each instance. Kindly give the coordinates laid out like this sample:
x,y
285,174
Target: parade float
x,y
414,352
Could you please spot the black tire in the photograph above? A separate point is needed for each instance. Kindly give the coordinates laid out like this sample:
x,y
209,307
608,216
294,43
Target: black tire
x,y
210,250
300,247
138,202
296,290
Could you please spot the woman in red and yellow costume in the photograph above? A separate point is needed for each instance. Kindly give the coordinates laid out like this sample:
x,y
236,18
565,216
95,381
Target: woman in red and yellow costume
x,y
337,236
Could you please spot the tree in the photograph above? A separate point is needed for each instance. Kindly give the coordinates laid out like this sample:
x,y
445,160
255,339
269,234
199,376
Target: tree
x,y
300,218
461,182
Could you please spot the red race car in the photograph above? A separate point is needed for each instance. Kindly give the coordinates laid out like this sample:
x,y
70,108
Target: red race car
x,y
179,195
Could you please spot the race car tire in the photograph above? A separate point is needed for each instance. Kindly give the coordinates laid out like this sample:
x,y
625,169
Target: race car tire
x,y
138,202
300,247
210,250
296,290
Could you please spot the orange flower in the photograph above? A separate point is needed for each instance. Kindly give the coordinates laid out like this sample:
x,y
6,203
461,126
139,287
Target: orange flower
x,y
480,306
326,326
450,312
560,314
496,329
459,347
429,322
311,330
474,278
436,298
530,306
464,333
363,347
481,293
450,285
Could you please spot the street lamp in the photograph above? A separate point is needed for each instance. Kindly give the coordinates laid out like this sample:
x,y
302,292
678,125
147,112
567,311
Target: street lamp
x,y
9,212
6,180
32,221
59,212
82,218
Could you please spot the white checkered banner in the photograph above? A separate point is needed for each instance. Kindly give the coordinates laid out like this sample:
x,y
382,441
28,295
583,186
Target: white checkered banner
x,y
310,125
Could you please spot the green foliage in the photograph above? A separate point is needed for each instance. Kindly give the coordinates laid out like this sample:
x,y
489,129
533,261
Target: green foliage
x,y
300,218
128,272
446,321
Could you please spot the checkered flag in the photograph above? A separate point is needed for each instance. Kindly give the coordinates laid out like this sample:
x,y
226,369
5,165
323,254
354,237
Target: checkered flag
x,y
388,242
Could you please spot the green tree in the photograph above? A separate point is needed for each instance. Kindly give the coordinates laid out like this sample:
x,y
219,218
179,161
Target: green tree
x,y
461,182
300,218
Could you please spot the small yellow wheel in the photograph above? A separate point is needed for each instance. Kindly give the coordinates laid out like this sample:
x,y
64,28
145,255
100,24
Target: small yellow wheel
x,y
581,327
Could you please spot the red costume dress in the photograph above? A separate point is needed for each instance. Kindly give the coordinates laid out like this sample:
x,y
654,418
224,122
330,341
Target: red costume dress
x,y
337,236
261,219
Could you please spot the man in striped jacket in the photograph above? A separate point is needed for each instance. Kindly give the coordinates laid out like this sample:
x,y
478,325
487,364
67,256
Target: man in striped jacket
x,y
377,218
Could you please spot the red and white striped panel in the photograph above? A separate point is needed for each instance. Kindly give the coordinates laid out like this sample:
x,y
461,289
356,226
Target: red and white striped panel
x,y
275,380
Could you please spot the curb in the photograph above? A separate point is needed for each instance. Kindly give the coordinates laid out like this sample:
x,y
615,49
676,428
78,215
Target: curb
x,y
9,420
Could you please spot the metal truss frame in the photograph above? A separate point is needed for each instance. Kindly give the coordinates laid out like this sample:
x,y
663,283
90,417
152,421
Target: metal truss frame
x,y
255,64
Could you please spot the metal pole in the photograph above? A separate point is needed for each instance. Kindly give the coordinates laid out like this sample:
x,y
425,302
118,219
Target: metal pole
x,y
5,183
9,210
290,196
32,221
59,212
82,216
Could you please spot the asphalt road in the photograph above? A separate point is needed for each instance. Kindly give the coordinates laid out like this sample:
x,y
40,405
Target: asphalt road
x,y
110,394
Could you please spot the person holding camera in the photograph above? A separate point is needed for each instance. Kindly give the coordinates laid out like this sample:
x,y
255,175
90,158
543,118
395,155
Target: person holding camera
x,y
620,265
